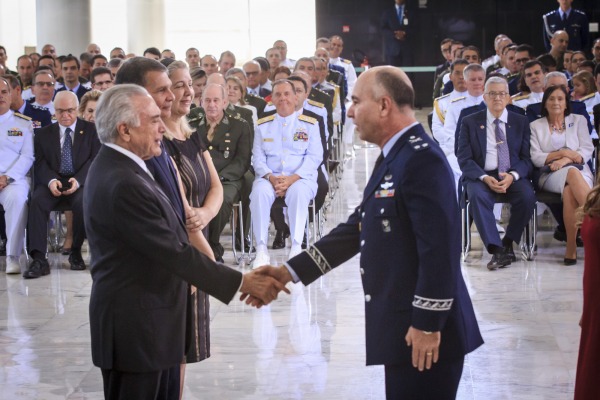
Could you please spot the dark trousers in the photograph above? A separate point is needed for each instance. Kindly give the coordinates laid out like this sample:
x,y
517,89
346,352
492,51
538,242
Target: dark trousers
x,y
231,194
2,225
322,190
522,200
156,385
408,383
41,204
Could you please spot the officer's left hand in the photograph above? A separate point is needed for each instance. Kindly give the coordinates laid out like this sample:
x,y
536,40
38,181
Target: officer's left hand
x,y
506,180
425,347
74,187
283,183
3,181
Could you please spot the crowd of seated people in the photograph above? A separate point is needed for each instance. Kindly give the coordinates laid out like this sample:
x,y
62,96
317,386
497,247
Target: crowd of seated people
x,y
540,113
219,141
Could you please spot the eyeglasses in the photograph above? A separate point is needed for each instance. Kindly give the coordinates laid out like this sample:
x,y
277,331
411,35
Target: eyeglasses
x,y
496,94
522,60
42,84
252,73
60,111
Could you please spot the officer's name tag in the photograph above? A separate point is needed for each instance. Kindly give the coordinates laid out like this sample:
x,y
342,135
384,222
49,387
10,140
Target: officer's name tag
x,y
267,139
380,194
15,132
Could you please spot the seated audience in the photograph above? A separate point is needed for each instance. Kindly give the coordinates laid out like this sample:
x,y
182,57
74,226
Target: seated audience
x,y
561,147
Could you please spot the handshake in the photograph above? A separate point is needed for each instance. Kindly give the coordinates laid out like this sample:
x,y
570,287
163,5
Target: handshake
x,y
262,285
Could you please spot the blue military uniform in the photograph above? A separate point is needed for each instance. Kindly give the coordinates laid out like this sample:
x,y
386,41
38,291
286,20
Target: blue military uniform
x,y
407,230
576,25
40,116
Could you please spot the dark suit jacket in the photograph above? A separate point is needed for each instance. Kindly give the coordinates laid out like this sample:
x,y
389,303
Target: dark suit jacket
x,y
163,171
472,110
596,111
472,146
389,23
48,152
257,102
321,97
141,261
534,111
264,92
80,91
409,239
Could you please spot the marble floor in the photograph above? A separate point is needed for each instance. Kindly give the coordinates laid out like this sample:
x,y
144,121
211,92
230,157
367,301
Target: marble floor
x,y
310,344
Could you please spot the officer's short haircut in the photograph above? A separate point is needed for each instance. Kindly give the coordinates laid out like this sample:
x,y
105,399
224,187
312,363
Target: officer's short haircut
x,y
263,62
446,40
547,60
496,80
532,63
86,57
472,48
233,71
284,82
510,47
99,56
134,70
24,56
336,37
586,63
227,53
472,68
153,51
12,81
209,85
99,71
115,62
522,86
390,83
525,47
295,78
568,52
198,73
554,74
305,59
43,70
458,61
46,57
3,78
192,49
68,58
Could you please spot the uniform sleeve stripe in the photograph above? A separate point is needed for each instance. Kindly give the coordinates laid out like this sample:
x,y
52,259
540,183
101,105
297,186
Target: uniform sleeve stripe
x,y
318,259
432,304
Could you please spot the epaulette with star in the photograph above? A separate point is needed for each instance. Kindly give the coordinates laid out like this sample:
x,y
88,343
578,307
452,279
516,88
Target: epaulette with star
x,y
266,119
25,117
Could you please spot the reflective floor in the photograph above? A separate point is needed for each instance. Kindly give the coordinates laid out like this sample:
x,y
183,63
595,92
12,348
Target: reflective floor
x,y
310,344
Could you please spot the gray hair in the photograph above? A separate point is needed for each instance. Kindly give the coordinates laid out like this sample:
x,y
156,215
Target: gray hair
x,y
554,74
116,107
209,85
472,68
232,71
495,80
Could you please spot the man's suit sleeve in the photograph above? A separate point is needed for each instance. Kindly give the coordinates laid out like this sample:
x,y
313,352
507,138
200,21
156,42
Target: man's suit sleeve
x,y
42,168
137,211
92,146
524,166
467,164
337,247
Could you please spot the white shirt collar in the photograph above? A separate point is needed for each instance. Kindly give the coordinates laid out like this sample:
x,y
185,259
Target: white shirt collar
x,y
503,117
131,155
4,117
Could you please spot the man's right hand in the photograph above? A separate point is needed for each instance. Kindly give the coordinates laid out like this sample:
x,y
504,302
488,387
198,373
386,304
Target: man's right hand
x,y
493,184
260,289
55,187
281,274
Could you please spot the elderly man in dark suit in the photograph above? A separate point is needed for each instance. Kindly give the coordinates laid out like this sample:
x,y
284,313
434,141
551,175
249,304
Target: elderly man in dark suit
x,y
419,317
142,257
493,154
63,154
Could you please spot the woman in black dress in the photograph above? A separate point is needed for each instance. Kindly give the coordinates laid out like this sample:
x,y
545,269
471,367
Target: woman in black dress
x,y
203,193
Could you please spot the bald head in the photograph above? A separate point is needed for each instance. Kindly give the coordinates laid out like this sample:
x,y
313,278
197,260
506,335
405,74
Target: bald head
x,y
559,42
65,98
393,82
216,78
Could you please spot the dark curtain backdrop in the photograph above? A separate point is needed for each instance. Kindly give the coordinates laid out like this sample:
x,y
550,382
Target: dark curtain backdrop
x,y
475,22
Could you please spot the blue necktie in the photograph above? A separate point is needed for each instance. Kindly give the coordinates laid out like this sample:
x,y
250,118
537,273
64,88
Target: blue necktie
x,y
66,157
502,148
400,14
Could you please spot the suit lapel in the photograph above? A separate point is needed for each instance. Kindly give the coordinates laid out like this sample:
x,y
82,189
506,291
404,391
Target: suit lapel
x,y
55,143
482,133
77,143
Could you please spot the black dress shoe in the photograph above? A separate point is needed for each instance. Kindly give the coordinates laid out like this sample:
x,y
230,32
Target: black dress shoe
x,y
76,261
279,241
499,260
247,245
510,253
561,236
36,269
570,261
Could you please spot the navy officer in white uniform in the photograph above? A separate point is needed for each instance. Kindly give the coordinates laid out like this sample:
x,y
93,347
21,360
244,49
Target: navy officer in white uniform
x,y
286,155
419,317
16,159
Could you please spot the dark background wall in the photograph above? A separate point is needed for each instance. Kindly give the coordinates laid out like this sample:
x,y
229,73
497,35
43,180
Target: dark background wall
x,y
475,22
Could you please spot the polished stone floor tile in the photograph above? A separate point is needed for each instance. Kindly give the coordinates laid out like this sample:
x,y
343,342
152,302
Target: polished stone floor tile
x,y
309,344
